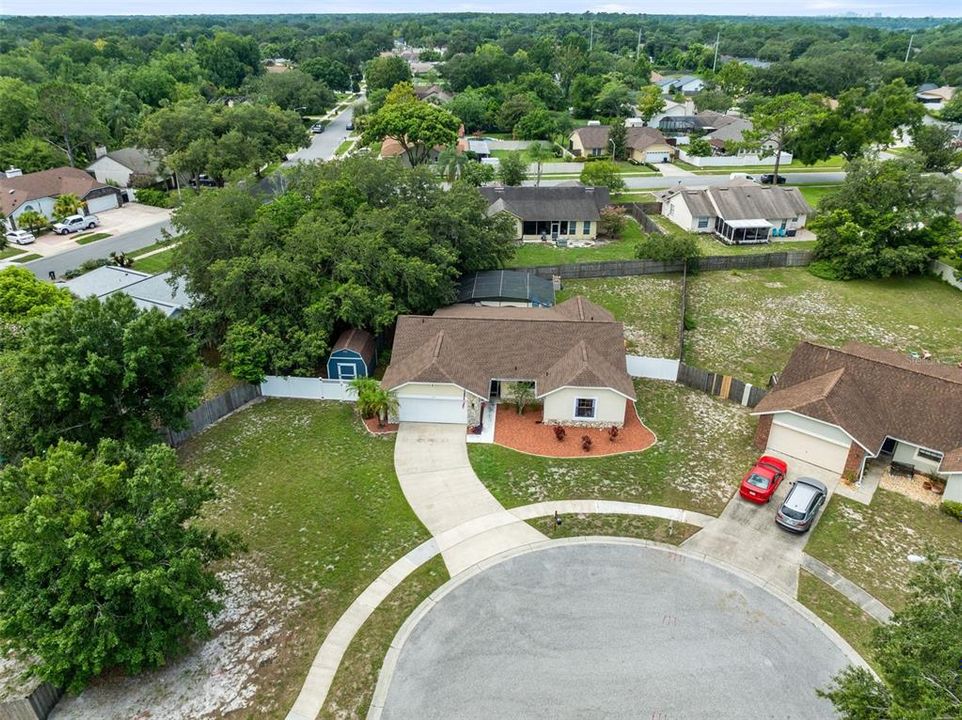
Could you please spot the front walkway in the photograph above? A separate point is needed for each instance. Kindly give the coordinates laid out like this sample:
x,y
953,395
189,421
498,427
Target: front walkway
x,y
469,524
672,170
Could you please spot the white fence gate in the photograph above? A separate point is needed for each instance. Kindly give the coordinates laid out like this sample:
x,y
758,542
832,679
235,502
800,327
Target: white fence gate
x,y
652,367
307,388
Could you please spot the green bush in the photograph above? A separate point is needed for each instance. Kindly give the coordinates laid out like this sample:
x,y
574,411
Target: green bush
x,y
689,322
86,267
823,269
668,247
952,509
155,198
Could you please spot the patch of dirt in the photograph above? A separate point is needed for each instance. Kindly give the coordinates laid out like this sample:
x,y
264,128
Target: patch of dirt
x,y
910,487
215,677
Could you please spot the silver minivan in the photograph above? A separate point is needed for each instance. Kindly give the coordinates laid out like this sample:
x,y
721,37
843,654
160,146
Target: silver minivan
x,y
801,505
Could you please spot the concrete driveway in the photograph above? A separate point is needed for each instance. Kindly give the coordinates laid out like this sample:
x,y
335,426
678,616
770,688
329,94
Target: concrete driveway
x,y
130,218
610,631
746,536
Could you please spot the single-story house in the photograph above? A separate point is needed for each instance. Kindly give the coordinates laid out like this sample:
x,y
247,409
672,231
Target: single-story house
x,y
354,355
148,291
739,214
432,93
645,144
446,366
836,408
38,191
128,167
671,109
685,84
934,97
391,148
479,147
541,213
498,288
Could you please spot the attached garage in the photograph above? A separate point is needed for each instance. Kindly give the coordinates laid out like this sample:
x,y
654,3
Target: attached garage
x,y
788,440
432,409
105,202
657,156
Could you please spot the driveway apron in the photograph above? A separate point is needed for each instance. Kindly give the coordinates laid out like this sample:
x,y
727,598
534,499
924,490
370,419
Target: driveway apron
x,y
469,524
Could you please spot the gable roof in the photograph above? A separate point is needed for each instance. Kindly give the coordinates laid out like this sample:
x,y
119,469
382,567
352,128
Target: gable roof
x,y
16,191
573,344
147,291
137,160
873,393
506,285
357,340
575,202
637,137
746,201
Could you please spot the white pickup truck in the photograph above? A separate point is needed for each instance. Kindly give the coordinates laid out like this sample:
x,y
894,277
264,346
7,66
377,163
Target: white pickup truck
x,y
73,223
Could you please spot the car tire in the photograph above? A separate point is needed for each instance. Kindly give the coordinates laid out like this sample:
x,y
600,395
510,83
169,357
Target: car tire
x,y
64,231
91,226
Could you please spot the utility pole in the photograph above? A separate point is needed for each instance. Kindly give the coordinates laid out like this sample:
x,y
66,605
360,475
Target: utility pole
x,y
715,61
638,48
909,49
591,36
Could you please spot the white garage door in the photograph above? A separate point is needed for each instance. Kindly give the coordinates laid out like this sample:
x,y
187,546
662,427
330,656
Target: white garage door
x,y
107,202
433,409
811,449
656,157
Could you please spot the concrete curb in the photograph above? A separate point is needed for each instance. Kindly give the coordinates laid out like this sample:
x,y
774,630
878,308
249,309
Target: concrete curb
x,y
610,507
866,601
391,658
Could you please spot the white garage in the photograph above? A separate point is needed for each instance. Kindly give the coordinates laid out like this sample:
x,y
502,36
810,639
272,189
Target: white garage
x,y
433,409
653,156
100,204
790,441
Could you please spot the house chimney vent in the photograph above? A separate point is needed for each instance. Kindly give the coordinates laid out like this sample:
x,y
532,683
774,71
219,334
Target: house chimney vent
x,y
100,151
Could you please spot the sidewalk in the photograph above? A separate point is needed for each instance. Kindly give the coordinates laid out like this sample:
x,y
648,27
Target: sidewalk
x,y
672,170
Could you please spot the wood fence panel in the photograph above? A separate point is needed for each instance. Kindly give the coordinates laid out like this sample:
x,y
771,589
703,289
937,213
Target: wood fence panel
x,y
211,411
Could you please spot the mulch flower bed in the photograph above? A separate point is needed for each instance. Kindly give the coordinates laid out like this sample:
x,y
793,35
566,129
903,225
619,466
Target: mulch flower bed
x,y
527,434
375,429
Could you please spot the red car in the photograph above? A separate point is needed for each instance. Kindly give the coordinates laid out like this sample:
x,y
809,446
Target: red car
x,y
763,480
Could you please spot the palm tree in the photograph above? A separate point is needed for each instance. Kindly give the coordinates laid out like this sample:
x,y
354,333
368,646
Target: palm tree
x,y
539,153
31,220
66,205
384,405
450,163
367,390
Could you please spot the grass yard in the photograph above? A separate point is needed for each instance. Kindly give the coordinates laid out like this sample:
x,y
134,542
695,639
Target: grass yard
x,y
711,245
533,254
869,544
91,237
633,526
704,446
156,263
317,503
633,196
648,305
748,321
356,678
26,258
344,147
814,193
10,252
844,616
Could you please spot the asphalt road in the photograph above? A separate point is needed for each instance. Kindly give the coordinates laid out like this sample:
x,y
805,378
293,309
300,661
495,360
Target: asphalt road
x,y
650,182
323,145
611,631
127,242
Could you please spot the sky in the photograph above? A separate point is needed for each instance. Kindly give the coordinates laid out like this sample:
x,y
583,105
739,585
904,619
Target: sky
x,y
910,8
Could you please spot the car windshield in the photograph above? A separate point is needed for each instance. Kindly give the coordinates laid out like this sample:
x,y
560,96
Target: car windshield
x,y
794,514
758,481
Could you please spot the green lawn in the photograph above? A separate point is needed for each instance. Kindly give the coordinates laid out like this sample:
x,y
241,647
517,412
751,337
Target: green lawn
x,y
869,544
845,617
814,193
10,252
633,196
317,503
711,245
747,322
157,263
344,147
150,248
92,237
703,448
633,526
533,254
648,305
26,258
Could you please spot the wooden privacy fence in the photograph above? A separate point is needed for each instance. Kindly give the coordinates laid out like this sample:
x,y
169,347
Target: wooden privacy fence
x,y
640,211
723,386
35,706
211,411
623,268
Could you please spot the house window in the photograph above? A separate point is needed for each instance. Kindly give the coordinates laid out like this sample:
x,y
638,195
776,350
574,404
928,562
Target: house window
x,y
595,152
930,455
585,408
702,222
587,227
529,228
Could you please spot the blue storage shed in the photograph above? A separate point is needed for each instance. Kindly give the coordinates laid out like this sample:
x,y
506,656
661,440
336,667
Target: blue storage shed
x,y
353,355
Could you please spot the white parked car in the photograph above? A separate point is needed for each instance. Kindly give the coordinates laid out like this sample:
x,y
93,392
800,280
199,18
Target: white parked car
x,y
19,237
73,223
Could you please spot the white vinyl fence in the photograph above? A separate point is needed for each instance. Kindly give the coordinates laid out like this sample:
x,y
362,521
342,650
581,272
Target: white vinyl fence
x,y
947,273
307,388
733,160
652,367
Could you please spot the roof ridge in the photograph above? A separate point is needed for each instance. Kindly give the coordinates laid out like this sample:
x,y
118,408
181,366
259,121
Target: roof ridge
x,y
889,363
437,346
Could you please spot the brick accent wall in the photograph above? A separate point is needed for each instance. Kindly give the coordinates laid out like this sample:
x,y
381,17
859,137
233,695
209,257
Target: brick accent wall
x,y
762,431
853,463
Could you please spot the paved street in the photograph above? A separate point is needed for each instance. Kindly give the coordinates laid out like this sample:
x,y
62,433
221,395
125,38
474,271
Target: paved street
x,y
612,631
650,182
126,242
324,144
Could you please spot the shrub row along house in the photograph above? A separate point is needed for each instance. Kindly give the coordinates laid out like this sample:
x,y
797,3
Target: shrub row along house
x,y
737,214
645,144
445,367
570,211
837,408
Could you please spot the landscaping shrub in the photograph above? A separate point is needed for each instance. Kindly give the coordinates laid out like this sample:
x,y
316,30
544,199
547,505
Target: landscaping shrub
x,y
668,247
586,443
559,433
823,269
612,433
613,221
155,198
952,509
86,267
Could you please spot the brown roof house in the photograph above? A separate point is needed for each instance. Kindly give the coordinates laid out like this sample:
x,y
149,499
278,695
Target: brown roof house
x,y
834,408
445,366
38,191
559,212
645,144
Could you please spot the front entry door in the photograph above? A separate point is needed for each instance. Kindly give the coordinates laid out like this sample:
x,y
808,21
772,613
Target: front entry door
x,y
555,228
495,389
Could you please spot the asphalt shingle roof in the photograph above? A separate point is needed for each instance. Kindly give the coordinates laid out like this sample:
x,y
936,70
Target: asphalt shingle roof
x,y
16,191
547,203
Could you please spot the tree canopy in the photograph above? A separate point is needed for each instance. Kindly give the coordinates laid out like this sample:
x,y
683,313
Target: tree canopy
x,y
417,126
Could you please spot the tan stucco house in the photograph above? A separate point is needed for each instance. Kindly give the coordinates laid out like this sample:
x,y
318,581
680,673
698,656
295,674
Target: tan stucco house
x,y
551,212
836,408
445,367
645,144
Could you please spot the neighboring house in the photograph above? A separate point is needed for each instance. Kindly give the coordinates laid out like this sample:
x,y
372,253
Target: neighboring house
x,y
479,147
128,167
546,212
444,367
432,93
500,288
737,214
645,144
685,84
671,109
933,97
353,355
391,148
835,408
148,291
38,191
723,133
